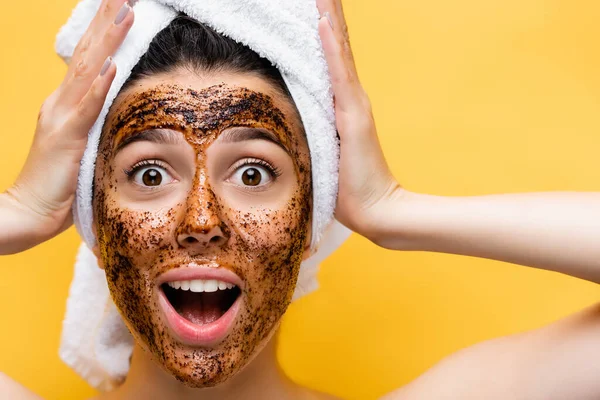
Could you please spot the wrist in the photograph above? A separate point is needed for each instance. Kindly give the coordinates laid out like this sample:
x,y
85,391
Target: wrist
x,y
406,221
382,219
25,228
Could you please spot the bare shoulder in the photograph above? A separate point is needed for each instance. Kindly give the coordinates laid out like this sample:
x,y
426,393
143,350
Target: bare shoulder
x,y
10,389
324,396
314,395
555,362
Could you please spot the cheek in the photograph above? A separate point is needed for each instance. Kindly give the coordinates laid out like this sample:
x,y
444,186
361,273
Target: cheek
x,y
268,232
270,244
136,235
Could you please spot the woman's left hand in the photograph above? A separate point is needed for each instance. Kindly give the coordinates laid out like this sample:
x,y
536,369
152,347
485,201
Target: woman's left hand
x,y
366,185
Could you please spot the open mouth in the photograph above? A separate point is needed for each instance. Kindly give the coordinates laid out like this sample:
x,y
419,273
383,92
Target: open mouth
x,y
199,301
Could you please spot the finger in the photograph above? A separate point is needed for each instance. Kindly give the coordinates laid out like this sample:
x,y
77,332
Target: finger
x,y
101,45
82,44
99,23
90,61
334,8
86,113
335,14
346,87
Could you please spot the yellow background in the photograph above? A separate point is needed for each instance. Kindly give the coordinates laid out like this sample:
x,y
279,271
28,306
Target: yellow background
x,y
470,97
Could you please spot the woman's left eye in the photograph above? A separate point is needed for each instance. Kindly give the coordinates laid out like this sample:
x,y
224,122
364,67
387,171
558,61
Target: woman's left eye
x,y
252,175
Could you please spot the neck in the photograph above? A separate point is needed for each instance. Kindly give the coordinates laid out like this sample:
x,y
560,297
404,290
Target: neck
x,y
262,378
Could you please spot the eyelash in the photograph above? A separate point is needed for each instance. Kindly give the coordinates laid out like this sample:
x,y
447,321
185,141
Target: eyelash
x,y
275,172
141,164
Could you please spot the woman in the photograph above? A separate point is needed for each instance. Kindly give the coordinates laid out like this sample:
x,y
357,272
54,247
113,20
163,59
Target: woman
x,y
195,168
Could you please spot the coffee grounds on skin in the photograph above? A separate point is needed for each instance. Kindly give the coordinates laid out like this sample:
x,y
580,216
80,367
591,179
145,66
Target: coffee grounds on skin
x,y
264,247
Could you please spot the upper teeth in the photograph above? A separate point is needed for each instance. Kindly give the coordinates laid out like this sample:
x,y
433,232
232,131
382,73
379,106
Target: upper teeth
x,y
200,285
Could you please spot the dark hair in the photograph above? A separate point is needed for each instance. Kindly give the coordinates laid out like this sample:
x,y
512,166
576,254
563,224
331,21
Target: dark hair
x,y
188,43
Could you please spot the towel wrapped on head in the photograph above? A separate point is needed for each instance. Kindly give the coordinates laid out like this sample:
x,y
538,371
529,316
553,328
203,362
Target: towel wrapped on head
x,y
95,341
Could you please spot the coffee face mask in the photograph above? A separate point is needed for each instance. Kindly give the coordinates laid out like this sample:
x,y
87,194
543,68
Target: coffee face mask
x,y
202,209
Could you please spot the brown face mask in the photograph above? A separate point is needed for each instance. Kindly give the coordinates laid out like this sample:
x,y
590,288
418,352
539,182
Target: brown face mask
x,y
198,208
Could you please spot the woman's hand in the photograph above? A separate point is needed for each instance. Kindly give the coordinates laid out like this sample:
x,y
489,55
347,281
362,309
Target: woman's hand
x,y
38,205
367,188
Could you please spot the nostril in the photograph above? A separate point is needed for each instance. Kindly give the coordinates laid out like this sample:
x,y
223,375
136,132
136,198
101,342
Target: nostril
x,y
216,239
191,240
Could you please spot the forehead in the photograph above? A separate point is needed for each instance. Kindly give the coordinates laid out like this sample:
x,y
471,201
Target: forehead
x,y
202,93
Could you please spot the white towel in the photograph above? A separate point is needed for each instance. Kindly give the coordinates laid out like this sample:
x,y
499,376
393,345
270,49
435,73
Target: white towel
x,y
95,341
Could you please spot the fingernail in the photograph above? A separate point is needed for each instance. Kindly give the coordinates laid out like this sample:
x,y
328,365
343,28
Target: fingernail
x,y
106,65
328,18
122,14
132,2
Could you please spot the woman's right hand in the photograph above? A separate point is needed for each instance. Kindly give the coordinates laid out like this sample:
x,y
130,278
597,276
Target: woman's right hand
x,y
38,206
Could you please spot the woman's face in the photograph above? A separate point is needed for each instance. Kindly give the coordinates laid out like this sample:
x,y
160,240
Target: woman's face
x,y
202,205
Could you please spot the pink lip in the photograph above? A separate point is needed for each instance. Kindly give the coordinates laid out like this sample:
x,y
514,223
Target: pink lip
x,y
189,333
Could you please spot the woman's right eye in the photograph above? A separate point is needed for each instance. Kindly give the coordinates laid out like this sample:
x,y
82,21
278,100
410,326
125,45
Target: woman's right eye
x,y
150,175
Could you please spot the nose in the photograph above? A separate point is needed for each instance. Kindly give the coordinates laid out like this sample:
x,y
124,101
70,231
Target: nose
x,y
201,228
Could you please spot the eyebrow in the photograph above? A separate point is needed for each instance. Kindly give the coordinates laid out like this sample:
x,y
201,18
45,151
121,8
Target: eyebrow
x,y
233,135
158,136
242,133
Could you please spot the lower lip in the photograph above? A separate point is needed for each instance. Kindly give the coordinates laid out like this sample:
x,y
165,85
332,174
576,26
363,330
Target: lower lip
x,y
199,335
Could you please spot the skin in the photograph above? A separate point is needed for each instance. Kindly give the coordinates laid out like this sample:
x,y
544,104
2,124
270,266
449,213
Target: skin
x,y
258,232
555,362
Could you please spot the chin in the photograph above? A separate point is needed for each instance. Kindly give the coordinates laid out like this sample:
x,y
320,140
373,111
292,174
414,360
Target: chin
x,y
205,368
197,371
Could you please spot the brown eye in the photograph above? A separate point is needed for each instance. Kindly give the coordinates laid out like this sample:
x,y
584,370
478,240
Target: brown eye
x,y
152,177
251,177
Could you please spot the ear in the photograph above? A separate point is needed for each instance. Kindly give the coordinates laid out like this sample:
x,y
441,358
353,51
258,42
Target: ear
x,y
96,249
